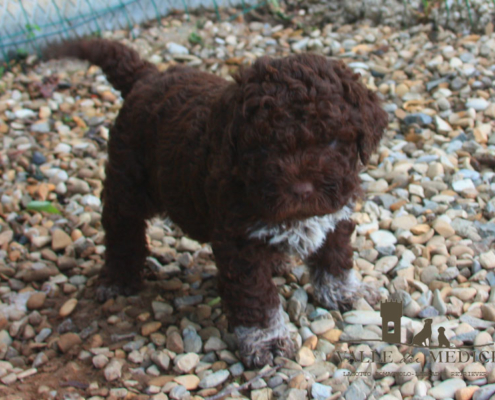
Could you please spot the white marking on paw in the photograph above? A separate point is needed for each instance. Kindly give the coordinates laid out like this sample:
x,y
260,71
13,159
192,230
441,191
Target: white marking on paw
x,y
335,292
251,336
258,346
300,237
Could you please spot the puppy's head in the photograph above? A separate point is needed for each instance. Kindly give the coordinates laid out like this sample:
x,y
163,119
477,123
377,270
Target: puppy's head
x,y
301,126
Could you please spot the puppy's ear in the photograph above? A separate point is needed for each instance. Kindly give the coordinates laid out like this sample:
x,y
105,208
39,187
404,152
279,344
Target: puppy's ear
x,y
374,120
367,114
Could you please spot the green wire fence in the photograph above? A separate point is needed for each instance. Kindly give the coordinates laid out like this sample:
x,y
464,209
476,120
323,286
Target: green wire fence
x,y
27,25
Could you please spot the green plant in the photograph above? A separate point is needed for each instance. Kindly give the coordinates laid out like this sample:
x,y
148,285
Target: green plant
x,y
195,38
214,302
200,23
66,119
31,29
426,6
42,206
275,8
21,53
468,5
2,70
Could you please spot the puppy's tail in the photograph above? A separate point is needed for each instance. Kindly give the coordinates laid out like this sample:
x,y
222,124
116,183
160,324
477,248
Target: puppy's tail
x,y
121,64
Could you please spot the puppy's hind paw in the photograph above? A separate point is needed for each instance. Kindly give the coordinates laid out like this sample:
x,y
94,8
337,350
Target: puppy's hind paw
x,y
371,294
106,290
340,293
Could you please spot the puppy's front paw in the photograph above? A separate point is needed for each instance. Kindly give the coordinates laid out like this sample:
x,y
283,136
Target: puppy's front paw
x,y
259,346
257,354
340,293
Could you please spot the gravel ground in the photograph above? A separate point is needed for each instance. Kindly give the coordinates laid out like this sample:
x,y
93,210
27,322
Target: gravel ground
x,y
459,16
425,231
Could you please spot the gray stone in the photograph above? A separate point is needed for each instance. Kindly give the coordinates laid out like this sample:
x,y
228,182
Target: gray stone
x,y
188,300
478,104
447,388
38,158
113,370
476,323
24,113
40,127
40,360
161,309
490,206
295,394
300,44
466,337
443,103
176,49
457,83
161,359
484,393
418,118
320,392
465,228
186,362
383,238
438,303
179,392
358,390
5,338
192,341
428,312
449,274
236,369
134,345
186,244
214,344
214,380
100,360
275,381
297,304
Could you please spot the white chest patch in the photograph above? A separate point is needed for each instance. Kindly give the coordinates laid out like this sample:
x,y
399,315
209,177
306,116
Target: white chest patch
x,y
300,237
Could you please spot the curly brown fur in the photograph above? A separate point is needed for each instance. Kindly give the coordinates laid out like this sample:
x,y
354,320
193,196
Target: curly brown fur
x,y
276,149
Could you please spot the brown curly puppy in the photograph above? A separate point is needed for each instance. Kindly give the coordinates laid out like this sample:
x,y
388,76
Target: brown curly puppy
x,y
261,167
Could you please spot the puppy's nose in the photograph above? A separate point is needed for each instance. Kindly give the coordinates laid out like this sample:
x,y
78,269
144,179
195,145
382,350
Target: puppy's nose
x,y
303,189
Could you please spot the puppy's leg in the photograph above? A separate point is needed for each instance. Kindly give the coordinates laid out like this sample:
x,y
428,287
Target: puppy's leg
x,y
251,301
335,284
124,222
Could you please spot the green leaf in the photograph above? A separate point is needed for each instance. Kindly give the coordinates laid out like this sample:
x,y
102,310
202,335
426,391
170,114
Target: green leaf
x,y
21,52
214,302
33,27
66,119
44,206
195,38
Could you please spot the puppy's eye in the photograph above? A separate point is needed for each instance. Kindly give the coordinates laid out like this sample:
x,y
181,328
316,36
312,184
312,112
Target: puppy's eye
x,y
333,143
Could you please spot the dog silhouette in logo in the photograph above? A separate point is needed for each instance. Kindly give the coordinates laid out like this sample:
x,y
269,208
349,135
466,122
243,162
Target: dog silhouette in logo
x,y
442,339
423,338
